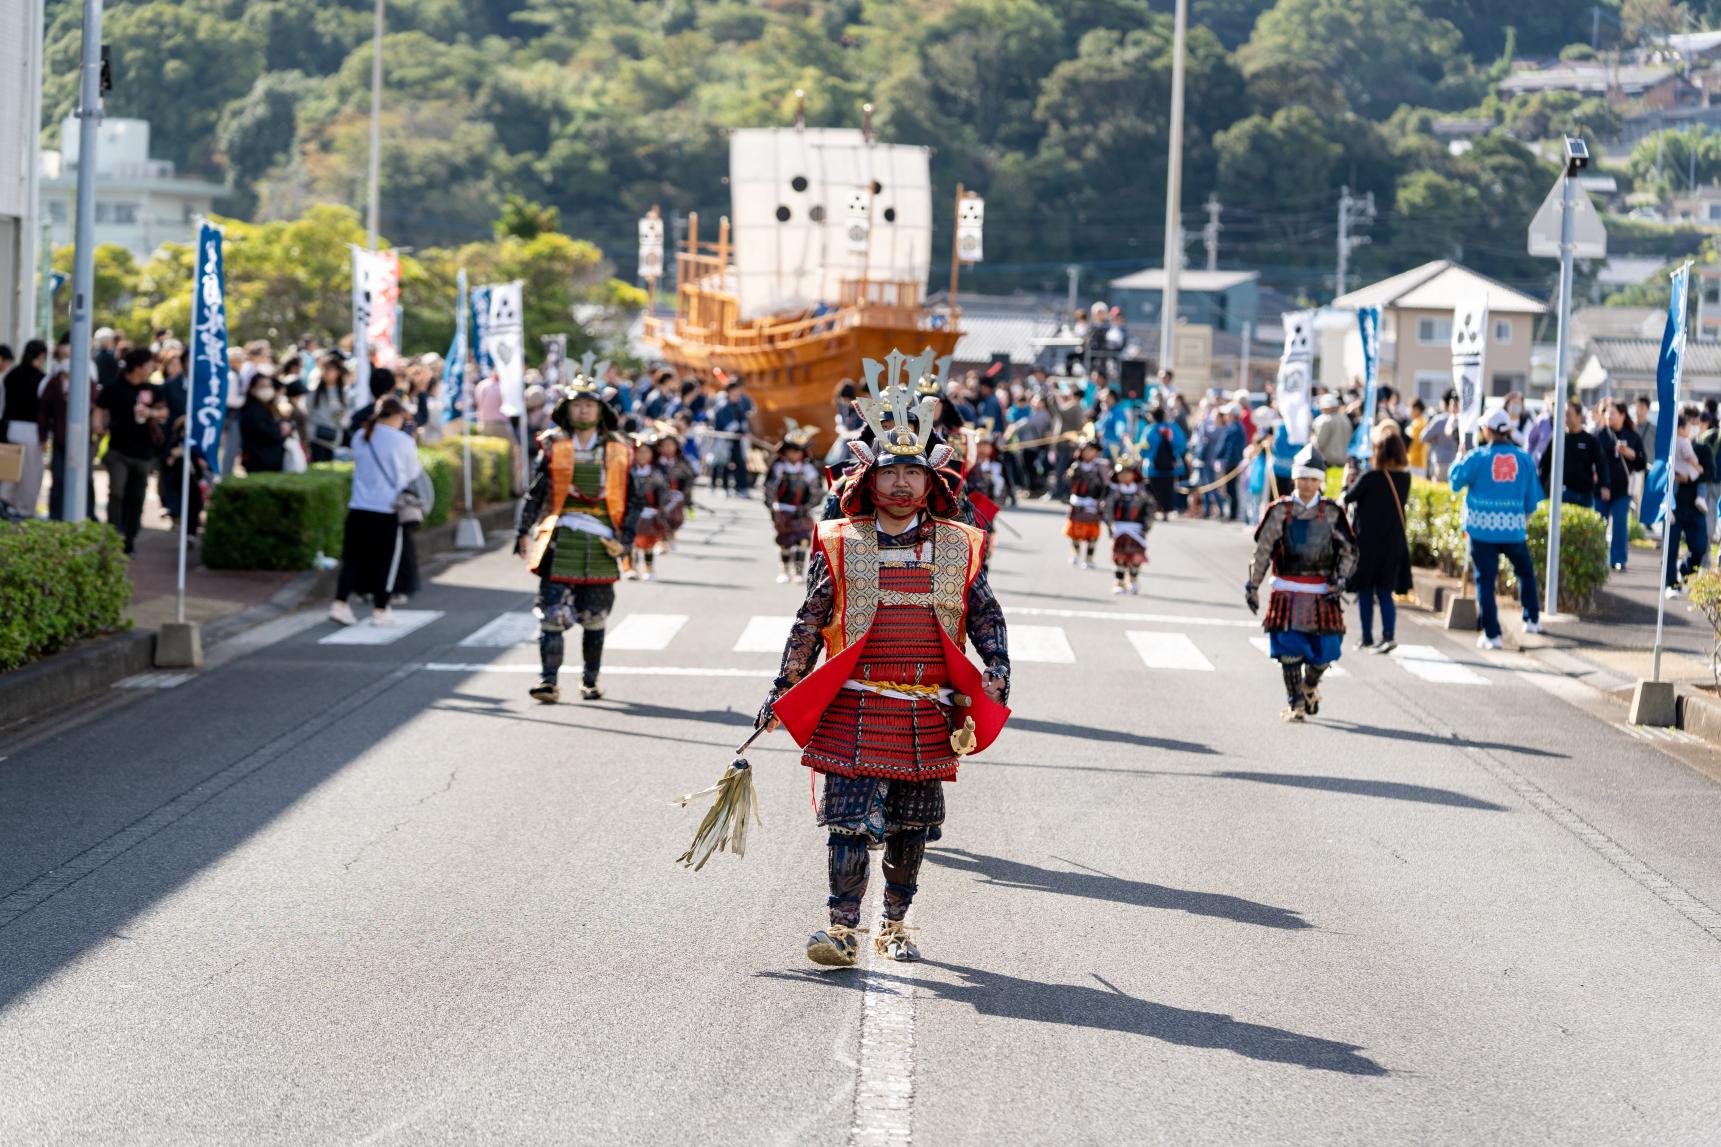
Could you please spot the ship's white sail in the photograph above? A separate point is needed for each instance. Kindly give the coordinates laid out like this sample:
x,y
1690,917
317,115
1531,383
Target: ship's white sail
x,y
791,215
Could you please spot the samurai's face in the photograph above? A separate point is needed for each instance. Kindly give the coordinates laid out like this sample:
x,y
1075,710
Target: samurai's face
x,y
900,489
583,413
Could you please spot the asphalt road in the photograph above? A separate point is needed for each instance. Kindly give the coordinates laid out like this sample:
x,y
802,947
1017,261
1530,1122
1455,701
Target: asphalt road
x,y
338,893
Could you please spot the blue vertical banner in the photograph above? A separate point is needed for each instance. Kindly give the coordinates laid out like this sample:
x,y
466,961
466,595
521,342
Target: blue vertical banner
x,y
1668,368
207,403
1368,328
454,368
480,329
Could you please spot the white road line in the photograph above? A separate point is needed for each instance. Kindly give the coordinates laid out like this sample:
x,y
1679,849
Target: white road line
x,y
1107,615
1266,648
1431,664
645,631
884,1087
609,670
154,681
1044,643
368,633
1167,651
505,632
767,634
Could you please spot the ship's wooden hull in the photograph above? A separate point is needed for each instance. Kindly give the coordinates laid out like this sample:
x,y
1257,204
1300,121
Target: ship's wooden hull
x,y
798,380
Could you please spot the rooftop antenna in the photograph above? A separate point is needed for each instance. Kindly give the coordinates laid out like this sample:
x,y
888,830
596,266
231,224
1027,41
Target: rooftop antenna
x,y
866,122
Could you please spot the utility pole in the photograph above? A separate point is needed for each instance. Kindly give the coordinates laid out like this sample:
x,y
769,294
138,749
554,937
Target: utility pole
x,y
1595,27
30,292
1074,273
1353,213
1210,233
1173,192
374,203
84,267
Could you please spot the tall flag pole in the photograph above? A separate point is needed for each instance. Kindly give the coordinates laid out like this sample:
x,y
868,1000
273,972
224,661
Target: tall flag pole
x,y
1658,487
206,405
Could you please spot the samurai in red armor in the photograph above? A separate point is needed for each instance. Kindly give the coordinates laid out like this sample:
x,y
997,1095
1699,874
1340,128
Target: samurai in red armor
x,y
1128,510
1088,477
794,489
1305,542
679,475
651,494
895,591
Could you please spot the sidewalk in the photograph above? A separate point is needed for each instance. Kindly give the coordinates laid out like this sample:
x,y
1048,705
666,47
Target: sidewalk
x,y
1620,636
209,594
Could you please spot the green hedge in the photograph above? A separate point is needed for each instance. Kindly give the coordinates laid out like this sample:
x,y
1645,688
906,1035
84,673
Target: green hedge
x,y
492,468
59,582
1434,525
277,521
282,521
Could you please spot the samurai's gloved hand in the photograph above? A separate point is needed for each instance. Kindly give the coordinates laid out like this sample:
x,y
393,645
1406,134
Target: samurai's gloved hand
x,y
1251,597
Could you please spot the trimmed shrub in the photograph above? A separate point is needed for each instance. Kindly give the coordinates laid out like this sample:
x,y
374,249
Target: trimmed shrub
x,y
443,475
59,582
277,521
492,468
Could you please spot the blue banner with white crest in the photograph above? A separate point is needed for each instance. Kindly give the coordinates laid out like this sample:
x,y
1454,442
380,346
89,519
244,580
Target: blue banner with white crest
x,y
1668,369
207,405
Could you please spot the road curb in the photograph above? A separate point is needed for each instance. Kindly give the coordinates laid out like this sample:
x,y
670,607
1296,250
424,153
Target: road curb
x,y
44,687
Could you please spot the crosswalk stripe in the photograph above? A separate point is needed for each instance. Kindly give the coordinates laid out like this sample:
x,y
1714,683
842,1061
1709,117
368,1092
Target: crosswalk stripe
x,y
1043,643
504,632
645,631
765,634
1168,651
1107,615
367,632
609,670
153,680
1431,664
1266,647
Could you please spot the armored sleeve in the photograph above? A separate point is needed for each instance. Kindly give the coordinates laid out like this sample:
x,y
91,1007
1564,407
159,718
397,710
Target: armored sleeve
x,y
1266,541
1345,552
532,505
805,639
987,631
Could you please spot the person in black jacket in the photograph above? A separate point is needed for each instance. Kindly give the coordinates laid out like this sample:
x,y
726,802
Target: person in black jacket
x,y
1690,467
1584,466
262,430
1377,504
1622,456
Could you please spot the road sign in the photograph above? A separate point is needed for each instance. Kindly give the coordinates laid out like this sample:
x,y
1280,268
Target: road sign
x,y
1589,237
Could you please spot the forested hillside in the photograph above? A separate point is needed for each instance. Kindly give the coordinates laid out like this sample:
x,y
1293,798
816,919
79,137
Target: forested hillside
x,y
1055,110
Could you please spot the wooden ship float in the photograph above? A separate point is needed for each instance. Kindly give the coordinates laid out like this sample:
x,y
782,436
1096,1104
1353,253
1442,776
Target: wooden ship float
x,y
823,262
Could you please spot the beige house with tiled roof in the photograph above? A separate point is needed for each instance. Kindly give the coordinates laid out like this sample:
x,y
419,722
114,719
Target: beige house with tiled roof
x,y
1416,327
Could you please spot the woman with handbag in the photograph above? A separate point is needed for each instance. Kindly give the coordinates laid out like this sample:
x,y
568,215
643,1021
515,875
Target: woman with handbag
x,y
326,407
1377,502
391,493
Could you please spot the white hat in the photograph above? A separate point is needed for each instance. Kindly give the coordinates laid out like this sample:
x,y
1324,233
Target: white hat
x,y
1309,464
1329,402
1498,421
104,333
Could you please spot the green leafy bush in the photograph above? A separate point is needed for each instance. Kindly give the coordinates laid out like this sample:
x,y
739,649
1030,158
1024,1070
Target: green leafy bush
x,y
59,582
277,521
282,521
492,468
1705,587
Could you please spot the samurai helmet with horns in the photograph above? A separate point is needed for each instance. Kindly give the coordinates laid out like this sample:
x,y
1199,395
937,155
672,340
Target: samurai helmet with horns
x,y
931,383
902,427
584,384
796,436
1127,456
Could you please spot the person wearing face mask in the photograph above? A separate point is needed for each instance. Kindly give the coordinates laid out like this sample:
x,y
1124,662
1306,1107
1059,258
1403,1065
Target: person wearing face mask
x,y
262,430
894,591
1305,542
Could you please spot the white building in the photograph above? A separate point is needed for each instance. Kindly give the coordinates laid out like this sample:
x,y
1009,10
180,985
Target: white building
x,y
18,87
140,202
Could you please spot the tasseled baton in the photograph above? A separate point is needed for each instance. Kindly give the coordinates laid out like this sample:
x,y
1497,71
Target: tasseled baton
x,y
725,823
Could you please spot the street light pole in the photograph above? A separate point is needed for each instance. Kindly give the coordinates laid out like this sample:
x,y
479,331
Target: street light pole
x,y
84,267
1556,473
29,257
1173,192
374,202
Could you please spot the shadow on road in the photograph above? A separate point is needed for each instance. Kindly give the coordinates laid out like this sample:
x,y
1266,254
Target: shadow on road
x,y
1115,736
1357,786
1093,884
1437,739
1107,1009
